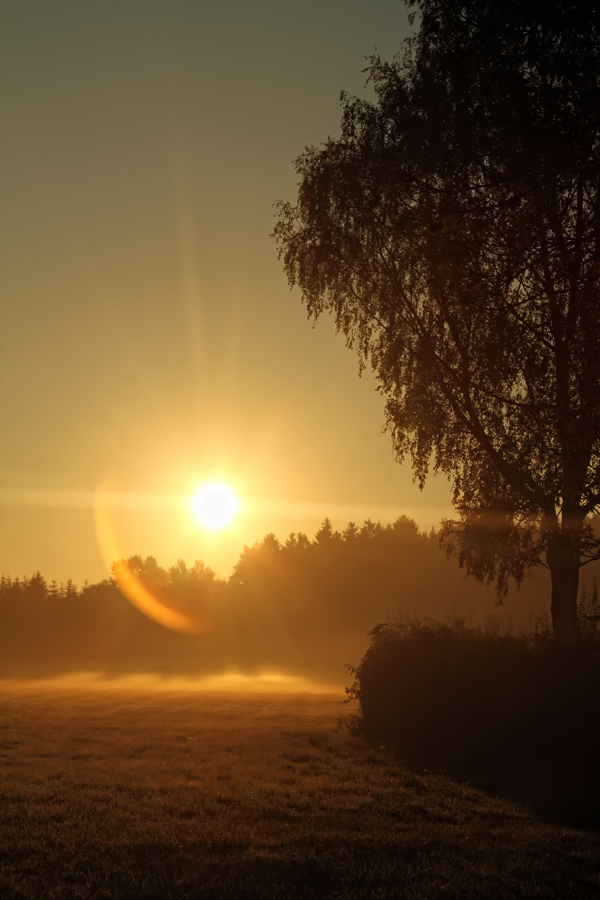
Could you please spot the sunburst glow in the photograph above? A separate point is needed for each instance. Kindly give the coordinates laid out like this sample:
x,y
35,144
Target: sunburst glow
x,y
215,506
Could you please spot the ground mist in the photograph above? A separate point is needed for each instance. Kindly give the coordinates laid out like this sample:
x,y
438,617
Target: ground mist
x,y
304,606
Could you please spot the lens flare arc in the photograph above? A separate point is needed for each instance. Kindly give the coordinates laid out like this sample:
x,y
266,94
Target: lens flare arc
x,y
130,585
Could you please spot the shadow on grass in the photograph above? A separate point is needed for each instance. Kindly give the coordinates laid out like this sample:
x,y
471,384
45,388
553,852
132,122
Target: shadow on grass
x,y
515,716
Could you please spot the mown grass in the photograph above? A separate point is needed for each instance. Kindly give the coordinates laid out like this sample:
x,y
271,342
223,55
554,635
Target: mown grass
x,y
127,793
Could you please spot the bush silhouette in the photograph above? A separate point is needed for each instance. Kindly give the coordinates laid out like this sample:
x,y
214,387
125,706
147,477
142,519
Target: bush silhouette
x,y
517,715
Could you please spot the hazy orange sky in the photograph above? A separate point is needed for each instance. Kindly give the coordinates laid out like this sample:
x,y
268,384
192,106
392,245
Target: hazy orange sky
x,y
148,338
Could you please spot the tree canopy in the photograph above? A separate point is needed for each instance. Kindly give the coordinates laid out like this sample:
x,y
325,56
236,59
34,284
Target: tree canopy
x,y
453,230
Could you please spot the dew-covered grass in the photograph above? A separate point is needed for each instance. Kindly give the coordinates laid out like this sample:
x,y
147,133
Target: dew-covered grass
x,y
122,792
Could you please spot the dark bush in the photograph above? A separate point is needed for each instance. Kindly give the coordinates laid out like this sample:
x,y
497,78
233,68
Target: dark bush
x,y
518,715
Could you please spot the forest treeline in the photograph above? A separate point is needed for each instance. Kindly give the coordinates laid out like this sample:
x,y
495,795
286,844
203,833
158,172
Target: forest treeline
x,y
302,605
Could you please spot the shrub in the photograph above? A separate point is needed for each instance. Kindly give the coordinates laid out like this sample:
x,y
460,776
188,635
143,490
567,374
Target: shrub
x,y
519,715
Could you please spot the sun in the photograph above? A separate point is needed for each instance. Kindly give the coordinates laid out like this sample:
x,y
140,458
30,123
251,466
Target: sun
x,y
215,506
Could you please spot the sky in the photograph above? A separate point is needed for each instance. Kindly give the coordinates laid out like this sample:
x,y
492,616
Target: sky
x,y
149,342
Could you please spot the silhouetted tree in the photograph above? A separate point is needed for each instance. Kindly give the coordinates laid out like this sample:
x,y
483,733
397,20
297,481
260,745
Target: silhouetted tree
x,y
261,557
350,532
454,232
326,534
302,541
405,527
370,530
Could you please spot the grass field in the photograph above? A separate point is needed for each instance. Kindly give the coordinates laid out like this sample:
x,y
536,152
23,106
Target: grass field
x,y
128,792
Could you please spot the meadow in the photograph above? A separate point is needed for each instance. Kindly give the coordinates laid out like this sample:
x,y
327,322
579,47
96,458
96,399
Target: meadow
x,y
156,790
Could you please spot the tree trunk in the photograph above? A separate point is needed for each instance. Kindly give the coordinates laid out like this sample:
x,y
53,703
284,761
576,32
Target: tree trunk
x,y
564,563
565,618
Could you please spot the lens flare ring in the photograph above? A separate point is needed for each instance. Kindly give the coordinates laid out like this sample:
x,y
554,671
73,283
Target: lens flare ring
x,y
138,594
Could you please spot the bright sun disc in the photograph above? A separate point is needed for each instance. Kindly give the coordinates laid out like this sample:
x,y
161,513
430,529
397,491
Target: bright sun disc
x,y
215,506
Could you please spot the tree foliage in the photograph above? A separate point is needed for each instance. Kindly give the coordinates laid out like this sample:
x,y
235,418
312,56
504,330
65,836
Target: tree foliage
x,y
453,231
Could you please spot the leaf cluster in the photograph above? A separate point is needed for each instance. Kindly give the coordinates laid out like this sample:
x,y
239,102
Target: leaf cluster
x,y
453,231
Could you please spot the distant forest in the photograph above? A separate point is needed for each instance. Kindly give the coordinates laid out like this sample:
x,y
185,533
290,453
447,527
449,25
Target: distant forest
x,y
305,606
